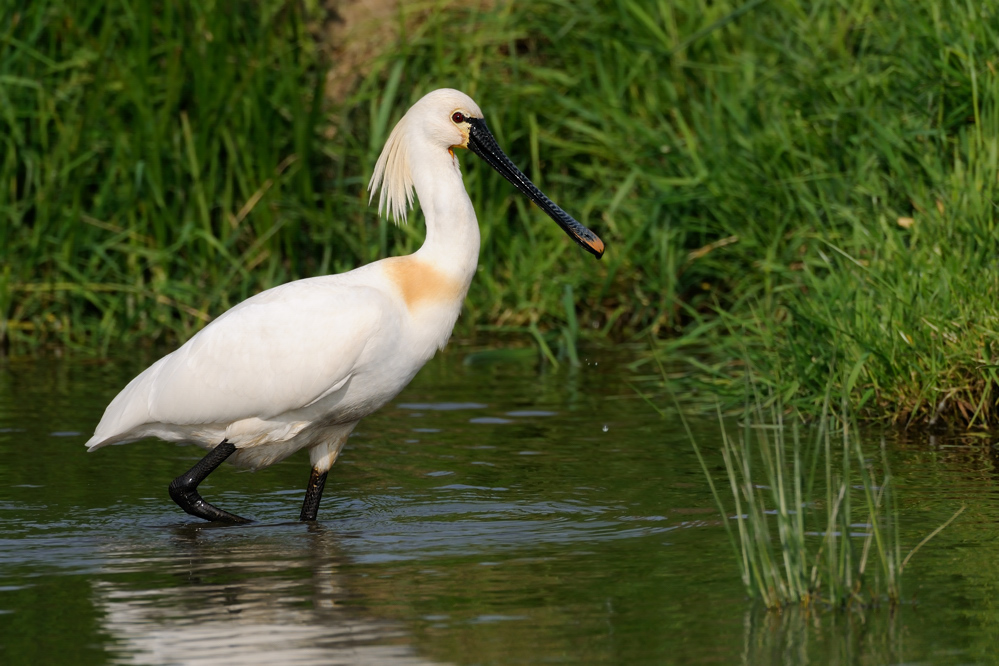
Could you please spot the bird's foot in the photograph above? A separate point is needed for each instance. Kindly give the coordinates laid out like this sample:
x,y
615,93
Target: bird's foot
x,y
188,499
184,489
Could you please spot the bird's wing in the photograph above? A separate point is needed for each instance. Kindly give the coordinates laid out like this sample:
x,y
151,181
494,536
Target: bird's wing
x,y
277,351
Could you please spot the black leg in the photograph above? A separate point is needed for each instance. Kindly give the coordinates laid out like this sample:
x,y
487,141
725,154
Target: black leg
x,y
313,494
184,489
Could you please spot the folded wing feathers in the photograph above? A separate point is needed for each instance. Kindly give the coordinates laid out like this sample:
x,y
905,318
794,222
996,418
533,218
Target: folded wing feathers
x,y
215,379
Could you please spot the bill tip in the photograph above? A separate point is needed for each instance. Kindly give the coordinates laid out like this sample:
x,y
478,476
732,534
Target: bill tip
x,y
595,246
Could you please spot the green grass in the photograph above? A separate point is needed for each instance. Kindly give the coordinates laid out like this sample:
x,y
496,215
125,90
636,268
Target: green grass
x,y
159,164
816,515
808,188
837,567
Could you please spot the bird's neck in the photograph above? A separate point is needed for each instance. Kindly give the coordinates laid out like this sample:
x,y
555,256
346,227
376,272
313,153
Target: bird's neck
x,y
452,241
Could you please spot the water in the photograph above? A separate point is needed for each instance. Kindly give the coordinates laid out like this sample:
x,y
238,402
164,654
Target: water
x,y
492,514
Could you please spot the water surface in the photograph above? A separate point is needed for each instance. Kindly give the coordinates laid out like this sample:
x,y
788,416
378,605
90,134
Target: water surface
x,y
492,514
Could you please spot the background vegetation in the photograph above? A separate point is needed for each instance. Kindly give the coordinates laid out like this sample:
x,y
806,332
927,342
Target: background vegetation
x,y
807,188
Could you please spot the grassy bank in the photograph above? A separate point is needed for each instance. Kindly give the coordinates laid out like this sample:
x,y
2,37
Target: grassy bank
x,y
804,188
157,166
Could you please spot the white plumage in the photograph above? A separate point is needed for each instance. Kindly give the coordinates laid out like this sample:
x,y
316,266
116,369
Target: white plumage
x,y
297,366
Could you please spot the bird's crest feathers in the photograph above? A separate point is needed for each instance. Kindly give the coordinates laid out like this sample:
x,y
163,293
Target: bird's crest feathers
x,y
393,176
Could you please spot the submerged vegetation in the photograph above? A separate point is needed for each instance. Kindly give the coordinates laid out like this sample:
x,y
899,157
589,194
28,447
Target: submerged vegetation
x,y
832,505
817,557
803,187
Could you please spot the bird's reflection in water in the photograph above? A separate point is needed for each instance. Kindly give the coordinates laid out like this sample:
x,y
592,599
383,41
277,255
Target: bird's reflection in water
x,y
229,597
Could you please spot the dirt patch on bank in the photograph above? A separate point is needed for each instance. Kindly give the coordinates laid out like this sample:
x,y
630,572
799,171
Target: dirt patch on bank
x,y
353,32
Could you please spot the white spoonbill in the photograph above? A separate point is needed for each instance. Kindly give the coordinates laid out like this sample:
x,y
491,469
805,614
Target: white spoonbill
x,y
297,366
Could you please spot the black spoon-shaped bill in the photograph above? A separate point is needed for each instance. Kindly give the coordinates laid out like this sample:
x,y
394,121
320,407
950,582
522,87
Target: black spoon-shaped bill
x,y
482,143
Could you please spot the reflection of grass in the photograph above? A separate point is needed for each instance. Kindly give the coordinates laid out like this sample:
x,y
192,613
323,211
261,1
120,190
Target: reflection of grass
x,y
832,507
798,636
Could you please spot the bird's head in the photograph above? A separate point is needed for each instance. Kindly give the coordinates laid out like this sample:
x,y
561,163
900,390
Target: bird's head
x,y
446,116
446,119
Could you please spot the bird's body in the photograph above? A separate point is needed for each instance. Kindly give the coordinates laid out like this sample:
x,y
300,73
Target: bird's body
x,y
358,338
297,366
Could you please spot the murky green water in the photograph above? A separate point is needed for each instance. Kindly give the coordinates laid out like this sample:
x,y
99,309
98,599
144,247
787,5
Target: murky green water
x,y
489,515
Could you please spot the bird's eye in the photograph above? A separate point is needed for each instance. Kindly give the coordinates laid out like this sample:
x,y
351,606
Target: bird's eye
x,y
458,117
